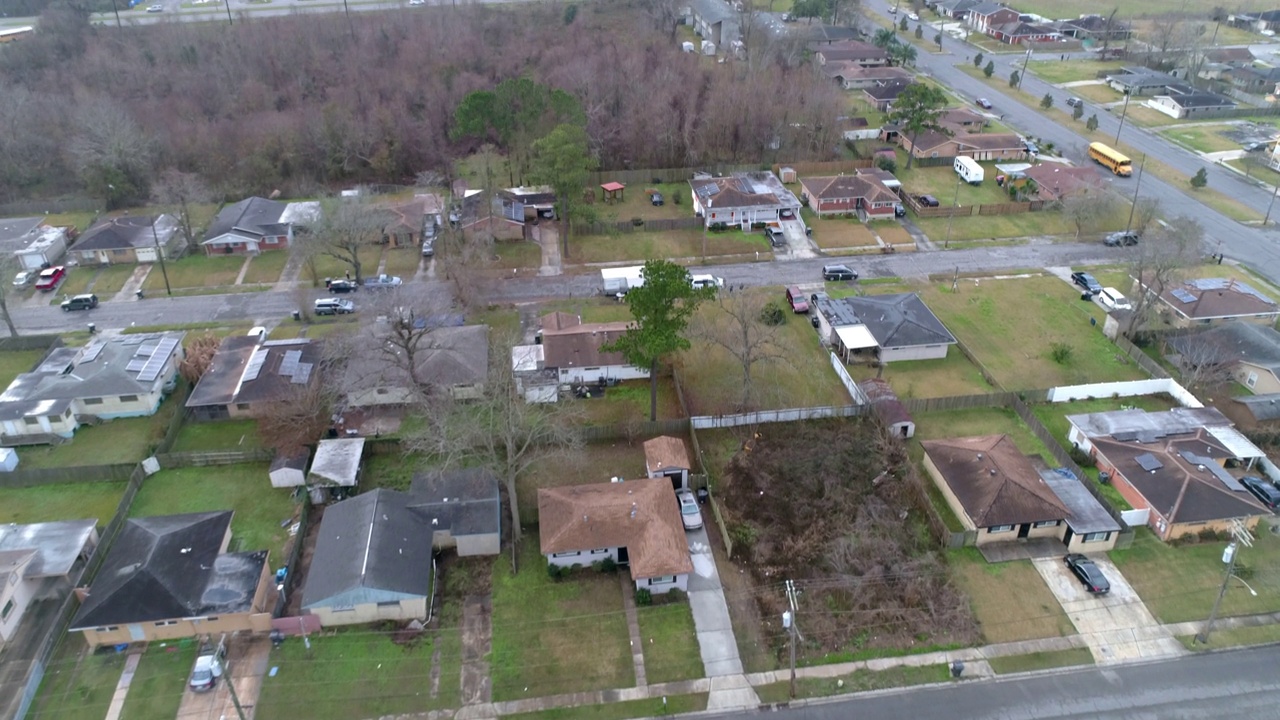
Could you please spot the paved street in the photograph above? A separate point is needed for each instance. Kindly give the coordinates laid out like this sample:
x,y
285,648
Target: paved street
x,y
1241,684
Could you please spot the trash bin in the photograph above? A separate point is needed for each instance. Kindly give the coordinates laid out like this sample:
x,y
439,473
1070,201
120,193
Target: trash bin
x,y
277,638
1086,295
93,328
1104,478
140,295
297,315
957,669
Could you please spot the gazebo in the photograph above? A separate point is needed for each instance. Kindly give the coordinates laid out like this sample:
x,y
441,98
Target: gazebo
x,y
613,191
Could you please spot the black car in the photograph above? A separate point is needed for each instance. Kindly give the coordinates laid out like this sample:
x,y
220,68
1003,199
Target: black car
x,y
1122,237
343,286
80,302
1266,493
1084,568
1086,281
838,272
898,210
928,201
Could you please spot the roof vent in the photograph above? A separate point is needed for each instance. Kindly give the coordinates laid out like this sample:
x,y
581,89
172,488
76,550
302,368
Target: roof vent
x,y
185,550
633,511
435,521
993,472
979,456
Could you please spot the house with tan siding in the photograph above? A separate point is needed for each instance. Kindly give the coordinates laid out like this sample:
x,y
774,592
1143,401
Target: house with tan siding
x,y
128,239
36,562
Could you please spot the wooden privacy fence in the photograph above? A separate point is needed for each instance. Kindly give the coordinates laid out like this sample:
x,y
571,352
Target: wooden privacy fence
x,y
1143,360
958,402
204,459
291,575
32,477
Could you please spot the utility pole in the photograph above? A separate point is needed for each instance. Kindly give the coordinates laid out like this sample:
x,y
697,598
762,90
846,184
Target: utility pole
x,y
789,622
1123,112
221,655
1242,537
1023,75
955,205
228,5
117,12
1271,204
1137,184
160,254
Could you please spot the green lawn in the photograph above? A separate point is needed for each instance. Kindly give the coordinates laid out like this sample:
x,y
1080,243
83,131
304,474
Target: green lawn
x,y
629,401
14,363
1202,138
979,421
640,246
196,271
160,680
860,681
76,283
592,309
81,220
1054,415
594,462
403,261
517,255
77,685
833,233
217,435
331,267
952,375
1009,599
555,636
1180,583
1100,94
259,508
1041,661
636,203
942,182
1233,637
390,470
123,440
358,672
670,642
1010,326
1055,72
658,707
64,501
1029,224
265,267
110,280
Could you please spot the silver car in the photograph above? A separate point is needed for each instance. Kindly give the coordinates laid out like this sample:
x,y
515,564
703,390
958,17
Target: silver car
x,y
689,512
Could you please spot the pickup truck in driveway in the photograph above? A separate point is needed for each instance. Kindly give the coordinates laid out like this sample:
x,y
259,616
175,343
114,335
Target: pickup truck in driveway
x,y
382,282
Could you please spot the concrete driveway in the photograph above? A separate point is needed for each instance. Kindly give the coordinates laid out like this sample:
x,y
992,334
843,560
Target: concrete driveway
x,y
799,246
246,664
1117,626
716,642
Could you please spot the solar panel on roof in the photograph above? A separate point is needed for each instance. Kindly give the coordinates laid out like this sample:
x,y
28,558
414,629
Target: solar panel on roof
x,y
1125,436
289,365
254,366
92,352
1148,462
159,357
1183,295
136,364
302,374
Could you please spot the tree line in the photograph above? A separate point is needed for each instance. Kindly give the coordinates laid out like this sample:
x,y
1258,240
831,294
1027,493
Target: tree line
x,y
306,103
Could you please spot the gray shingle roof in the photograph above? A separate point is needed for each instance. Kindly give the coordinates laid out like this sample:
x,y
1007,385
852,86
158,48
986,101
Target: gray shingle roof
x,y
253,217
130,231
1255,344
1263,407
898,320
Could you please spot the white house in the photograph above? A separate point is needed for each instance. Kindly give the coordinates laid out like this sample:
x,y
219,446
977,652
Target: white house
x,y
634,523
35,561
126,376
883,328
742,199
572,349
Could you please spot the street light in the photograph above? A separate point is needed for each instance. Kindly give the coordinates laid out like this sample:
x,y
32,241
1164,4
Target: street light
x,y
1247,585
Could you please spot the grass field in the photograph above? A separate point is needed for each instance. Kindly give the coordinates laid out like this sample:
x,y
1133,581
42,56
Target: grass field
x,y
628,402
860,681
81,220
942,182
657,707
266,267
1009,599
77,685
556,636
1202,138
160,680
833,233
218,435
670,642
642,246
110,280
1180,583
893,233
1100,94
402,261
512,255
46,503
1041,661
259,508
978,421
593,309
123,440
1010,326
1233,637
330,267
953,375
593,463
14,363
197,271
1030,224
358,672
636,203
1056,73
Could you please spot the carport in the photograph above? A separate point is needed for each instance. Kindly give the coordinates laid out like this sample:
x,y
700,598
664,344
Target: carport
x,y
853,339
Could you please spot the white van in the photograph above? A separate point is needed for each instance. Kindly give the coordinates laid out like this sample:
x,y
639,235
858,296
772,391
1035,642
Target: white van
x,y
1112,299
969,170
705,281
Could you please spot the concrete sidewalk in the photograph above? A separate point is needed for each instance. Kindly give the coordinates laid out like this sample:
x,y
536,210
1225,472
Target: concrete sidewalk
x,y
122,687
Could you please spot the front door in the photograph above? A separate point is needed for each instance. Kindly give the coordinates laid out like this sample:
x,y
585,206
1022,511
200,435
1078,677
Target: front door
x,y
135,633
622,556
1024,530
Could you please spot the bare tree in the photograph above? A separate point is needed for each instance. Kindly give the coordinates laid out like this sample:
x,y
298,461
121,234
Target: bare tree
x,y
1202,362
111,153
198,357
180,190
345,228
301,417
499,430
1144,213
8,266
1157,262
737,322
1087,208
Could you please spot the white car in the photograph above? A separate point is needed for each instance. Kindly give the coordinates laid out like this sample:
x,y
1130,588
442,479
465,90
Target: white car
x,y
23,278
1112,299
689,512
416,3
913,17
155,8
702,281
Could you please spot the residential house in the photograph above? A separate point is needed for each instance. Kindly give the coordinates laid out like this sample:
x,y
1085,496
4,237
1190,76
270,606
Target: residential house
x,y
129,239
1020,31
478,214
955,9
249,373
1251,353
1267,20
883,94
1253,79
1055,181
451,359
858,53
667,456
742,199
863,194
635,524
715,21
572,349
850,76
34,243
289,469
37,561
1255,412
1094,27
1000,495
170,577
126,376
881,328
1214,300
1183,101
963,120
528,204
985,17
374,552
1140,81
884,401
1230,56
256,225
408,223
957,143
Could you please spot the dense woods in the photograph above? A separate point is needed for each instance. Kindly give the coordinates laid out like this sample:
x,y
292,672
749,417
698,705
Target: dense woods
x,y
301,103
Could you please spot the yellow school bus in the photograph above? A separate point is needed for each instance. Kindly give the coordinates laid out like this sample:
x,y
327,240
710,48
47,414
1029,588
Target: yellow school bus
x,y
1108,157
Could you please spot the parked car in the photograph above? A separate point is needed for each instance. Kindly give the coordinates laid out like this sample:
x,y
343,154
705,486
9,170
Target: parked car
x,y
899,210
1121,237
207,670
1089,573
342,286
913,17
984,103
777,238
1074,101
1032,148
796,298
80,302
24,278
838,272
1112,299
155,8
428,247
893,10
417,3
50,277
928,201
1086,281
704,281
382,282
657,199
334,306
1266,493
689,512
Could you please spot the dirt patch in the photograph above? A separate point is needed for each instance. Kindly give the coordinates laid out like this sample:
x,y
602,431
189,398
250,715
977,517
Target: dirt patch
x,y
293,606
829,505
477,641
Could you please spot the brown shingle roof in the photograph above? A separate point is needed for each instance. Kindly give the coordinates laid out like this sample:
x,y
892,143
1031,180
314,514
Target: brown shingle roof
x,y
568,343
665,453
994,482
640,515
1209,298
867,187
885,401
1057,180
990,141
851,50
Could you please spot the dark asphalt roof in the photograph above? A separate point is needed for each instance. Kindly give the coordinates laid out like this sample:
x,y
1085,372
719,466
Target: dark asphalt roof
x,y
169,567
130,231
1262,407
252,216
464,501
244,371
898,320
1255,344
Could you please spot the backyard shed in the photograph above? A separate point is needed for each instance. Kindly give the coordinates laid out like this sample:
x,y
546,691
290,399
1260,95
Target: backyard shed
x,y
336,465
8,459
666,456
290,469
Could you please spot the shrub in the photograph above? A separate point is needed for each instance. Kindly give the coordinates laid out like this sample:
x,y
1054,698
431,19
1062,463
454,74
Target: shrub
x,y
634,221
743,534
1060,352
1014,78
570,12
555,572
887,164
989,69
773,313
644,598
1200,179
1082,458
1046,102
977,61
607,565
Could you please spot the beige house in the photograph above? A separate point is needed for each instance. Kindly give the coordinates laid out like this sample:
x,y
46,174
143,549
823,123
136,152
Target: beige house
x,y
999,494
170,577
1208,301
128,239
126,376
1250,352
36,561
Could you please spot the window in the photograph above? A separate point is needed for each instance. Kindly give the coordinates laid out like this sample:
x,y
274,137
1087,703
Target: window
x,y
999,529
163,623
8,610
1252,379
663,580
1046,523
242,406
389,603
1095,537
31,420
600,551
128,398
109,628
573,553
211,618
93,401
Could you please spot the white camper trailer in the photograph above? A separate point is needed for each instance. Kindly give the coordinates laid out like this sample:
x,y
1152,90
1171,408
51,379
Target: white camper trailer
x,y
970,170
617,281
